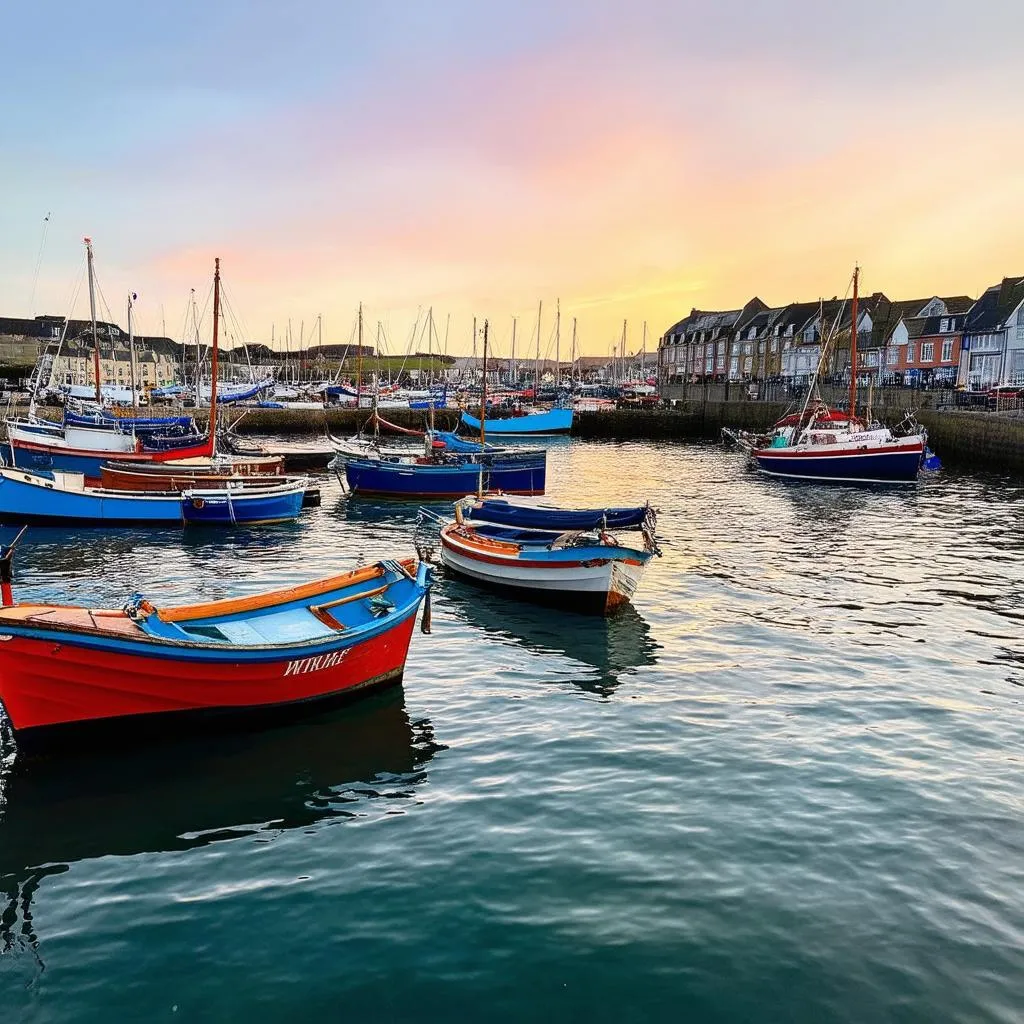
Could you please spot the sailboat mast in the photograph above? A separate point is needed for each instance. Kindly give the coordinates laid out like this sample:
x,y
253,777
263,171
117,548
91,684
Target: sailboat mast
x,y
572,361
643,355
853,344
513,376
622,355
483,393
199,354
92,317
213,355
558,342
536,365
131,353
359,361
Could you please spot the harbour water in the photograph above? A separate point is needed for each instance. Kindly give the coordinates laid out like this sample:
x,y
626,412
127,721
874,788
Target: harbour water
x,y
786,786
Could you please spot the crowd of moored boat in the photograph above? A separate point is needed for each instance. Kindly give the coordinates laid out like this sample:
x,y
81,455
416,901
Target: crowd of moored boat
x,y
67,671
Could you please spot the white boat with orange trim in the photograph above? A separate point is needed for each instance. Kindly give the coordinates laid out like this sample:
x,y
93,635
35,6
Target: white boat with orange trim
x,y
579,570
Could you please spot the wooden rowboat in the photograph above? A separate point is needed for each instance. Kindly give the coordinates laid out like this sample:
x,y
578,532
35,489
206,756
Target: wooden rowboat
x,y
64,668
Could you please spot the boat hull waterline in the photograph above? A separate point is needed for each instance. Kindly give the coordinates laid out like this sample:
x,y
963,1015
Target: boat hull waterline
x,y
29,498
894,464
404,480
595,580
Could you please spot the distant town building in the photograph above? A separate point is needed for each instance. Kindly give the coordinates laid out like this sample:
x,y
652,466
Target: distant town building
x,y
993,335
953,339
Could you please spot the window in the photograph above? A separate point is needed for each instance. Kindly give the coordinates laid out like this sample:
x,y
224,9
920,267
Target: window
x,y
775,333
927,351
753,332
789,330
809,333
944,325
910,352
947,350
892,355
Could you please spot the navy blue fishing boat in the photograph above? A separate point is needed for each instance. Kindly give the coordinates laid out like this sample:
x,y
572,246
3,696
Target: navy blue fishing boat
x,y
532,515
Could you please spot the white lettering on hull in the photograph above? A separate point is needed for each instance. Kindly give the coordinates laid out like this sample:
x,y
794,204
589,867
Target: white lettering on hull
x,y
316,664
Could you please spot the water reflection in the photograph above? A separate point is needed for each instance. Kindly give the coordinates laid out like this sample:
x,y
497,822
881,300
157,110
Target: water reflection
x,y
200,789
616,647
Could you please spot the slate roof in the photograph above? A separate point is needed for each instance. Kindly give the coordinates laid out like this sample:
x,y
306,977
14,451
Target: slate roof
x,y
992,309
928,326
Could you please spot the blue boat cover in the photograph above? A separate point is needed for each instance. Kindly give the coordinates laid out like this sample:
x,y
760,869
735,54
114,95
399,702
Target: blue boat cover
x,y
541,517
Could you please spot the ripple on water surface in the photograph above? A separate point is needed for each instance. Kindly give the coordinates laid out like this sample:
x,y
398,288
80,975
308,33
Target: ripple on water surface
x,y
785,786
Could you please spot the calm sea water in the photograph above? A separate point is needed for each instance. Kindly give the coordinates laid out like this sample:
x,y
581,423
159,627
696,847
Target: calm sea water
x,y
787,786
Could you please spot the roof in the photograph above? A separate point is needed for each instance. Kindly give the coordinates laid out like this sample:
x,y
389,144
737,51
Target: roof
x,y
991,311
709,320
926,326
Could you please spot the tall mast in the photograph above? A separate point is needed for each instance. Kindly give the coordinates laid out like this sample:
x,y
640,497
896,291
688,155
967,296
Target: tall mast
x,y
513,376
92,317
558,342
430,351
287,349
320,341
622,354
853,344
643,355
297,375
131,352
572,361
199,355
213,355
359,361
536,365
483,394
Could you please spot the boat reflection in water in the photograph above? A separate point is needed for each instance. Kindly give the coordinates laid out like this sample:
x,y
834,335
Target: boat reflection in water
x,y
613,648
189,792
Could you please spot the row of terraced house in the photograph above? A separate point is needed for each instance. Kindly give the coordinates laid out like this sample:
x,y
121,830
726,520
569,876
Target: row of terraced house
x,y
942,340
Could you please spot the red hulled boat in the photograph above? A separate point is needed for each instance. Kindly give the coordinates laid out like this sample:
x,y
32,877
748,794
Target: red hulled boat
x,y
64,668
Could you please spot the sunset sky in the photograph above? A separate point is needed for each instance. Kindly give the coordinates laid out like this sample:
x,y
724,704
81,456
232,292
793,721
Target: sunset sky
x,y
634,159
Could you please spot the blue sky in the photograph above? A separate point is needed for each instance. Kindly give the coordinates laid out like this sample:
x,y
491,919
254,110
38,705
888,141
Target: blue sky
x,y
633,159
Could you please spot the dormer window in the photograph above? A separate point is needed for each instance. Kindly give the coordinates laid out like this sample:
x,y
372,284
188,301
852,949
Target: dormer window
x,y
944,325
752,333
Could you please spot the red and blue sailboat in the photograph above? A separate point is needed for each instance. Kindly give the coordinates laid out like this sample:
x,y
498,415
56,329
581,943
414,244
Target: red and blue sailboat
x,y
68,671
821,444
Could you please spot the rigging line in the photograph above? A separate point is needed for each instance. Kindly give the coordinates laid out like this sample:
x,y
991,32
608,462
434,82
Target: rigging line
x,y
412,338
64,330
39,263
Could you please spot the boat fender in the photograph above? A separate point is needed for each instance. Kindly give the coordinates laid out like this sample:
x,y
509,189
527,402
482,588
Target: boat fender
x,y
198,503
